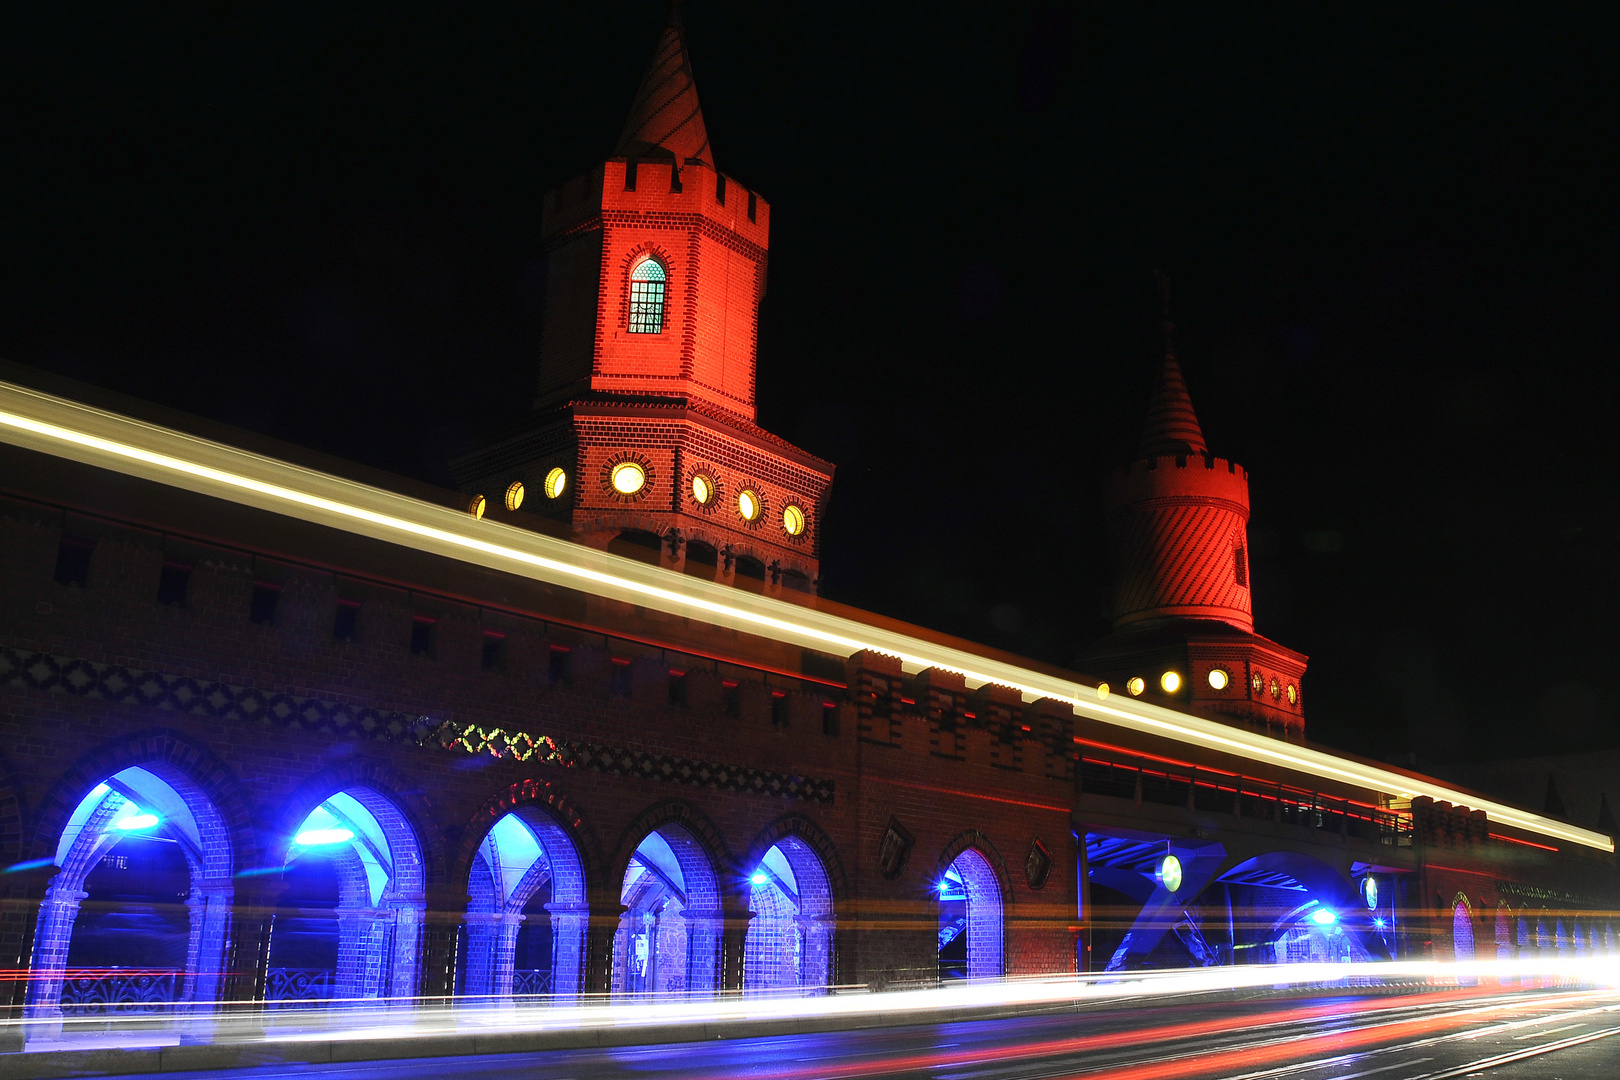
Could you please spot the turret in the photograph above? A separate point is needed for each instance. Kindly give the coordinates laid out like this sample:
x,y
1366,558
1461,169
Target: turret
x,y
1183,619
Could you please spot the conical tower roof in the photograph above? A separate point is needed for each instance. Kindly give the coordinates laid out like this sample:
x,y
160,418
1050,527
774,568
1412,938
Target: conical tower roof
x,y
1172,426
665,118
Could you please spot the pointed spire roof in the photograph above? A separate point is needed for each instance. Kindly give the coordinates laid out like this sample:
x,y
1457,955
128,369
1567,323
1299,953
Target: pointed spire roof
x,y
665,118
1172,426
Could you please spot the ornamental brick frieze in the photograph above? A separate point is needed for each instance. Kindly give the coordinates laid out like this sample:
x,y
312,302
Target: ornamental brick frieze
x,y
123,685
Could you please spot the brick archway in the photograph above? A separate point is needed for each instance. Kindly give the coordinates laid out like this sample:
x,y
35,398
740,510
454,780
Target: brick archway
x,y
795,884
689,817
676,880
415,810
162,747
190,799
978,841
985,894
383,861
806,829
566,864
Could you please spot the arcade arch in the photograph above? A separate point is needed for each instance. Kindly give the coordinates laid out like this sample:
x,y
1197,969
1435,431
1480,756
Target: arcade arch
x,y
789,942
971,923
1462,930
527,912
349,921
668,941
140,905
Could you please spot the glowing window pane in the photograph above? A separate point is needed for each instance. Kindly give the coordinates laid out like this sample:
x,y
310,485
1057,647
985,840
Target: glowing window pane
x,y
1258,683
1276,690
1293,695
702,489
1170,682
793,521
476,507
748,504
647,298
628,478
1136,686
1218,678
514,495
556,482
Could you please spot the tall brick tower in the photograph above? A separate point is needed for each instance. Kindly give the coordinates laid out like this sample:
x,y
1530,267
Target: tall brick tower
x,y
1183,623
643,439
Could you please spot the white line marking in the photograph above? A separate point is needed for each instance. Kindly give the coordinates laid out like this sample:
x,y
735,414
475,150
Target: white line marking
x,y
1549,1031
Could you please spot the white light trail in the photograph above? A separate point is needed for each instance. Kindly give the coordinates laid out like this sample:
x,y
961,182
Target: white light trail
x,y
96,437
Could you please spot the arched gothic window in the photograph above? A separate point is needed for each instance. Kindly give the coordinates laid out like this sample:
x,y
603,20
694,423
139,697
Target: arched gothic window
x,y
647,297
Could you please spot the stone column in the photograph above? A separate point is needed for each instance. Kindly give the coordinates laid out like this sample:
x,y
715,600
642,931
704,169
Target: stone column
x,y
56,914
733,933
402,921
441,923
600,930
210,906
569,927
20,909
246,966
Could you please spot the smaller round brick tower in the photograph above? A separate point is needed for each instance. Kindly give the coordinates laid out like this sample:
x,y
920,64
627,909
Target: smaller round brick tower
x,y
1183,620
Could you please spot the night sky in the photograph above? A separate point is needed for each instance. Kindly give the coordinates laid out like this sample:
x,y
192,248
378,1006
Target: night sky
x,y
1391,231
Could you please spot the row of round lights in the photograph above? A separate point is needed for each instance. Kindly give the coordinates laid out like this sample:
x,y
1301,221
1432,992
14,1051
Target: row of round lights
x,y
750,505
629,478
555,484
1218,678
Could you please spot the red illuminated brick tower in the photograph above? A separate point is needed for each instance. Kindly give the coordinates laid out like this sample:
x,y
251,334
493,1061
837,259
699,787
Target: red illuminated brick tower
x,y
644,439
1183,621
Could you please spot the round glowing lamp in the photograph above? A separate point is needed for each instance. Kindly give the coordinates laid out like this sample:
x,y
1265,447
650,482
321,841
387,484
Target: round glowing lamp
x,y
628,478
1169,873
477,506
514,495
793,520
1293,695
748,504
1170,682
1258,683
556,483
1369,891
1323,917
136,822
759,879
320,837
702,489
1219,678
1135,685
1102,691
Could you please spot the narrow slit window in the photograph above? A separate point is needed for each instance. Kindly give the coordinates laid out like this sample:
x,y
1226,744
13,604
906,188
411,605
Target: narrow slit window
x,y
647,297
1240,565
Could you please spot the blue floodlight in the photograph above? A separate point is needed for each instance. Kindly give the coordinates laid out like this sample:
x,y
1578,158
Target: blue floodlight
x,y
135,822
759,878
1323,917
318,837
1378,923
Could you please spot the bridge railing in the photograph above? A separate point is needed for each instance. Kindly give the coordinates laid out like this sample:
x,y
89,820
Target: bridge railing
x,y
1214,791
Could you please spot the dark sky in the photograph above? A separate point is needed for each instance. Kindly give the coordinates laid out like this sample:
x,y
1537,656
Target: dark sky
x,y
1391,230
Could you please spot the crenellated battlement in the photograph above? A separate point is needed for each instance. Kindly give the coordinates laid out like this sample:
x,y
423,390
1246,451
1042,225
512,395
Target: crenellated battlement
x,y
655,188
1189,476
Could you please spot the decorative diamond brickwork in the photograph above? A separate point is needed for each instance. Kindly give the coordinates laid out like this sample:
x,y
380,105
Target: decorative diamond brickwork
x,y
179,693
